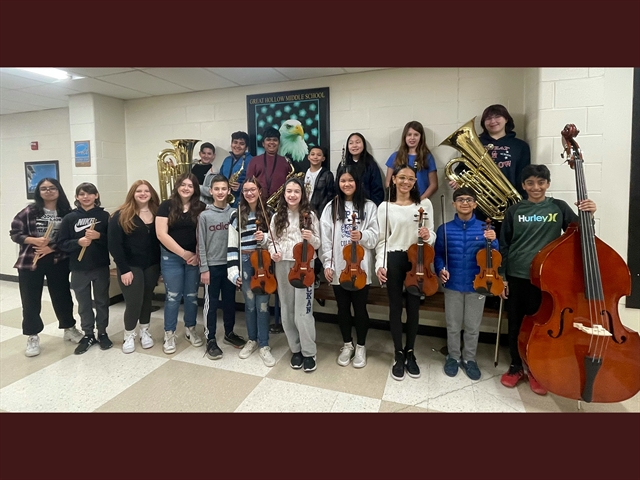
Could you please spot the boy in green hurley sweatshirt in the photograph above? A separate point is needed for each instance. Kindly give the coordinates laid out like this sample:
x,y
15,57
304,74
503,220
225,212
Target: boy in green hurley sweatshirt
x,y
527,227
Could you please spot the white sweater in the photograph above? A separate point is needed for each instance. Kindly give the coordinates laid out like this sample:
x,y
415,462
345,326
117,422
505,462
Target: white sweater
x,y
402,228
367,225
292,235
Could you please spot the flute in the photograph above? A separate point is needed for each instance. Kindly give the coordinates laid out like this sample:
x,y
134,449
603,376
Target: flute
x,y
93,224
46,235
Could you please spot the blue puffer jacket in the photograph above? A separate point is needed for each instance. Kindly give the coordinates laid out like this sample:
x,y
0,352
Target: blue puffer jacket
x,y
464,239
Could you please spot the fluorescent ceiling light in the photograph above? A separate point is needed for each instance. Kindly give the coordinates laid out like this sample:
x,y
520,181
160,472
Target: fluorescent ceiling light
x,y
52,73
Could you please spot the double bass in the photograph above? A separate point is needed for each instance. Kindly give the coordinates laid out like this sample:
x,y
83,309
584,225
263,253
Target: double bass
x,y
353,277
488,281
263,281
302,274
575,344
421,281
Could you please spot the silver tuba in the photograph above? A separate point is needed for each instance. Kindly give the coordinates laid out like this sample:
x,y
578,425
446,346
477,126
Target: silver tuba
x,y
495,193
168,169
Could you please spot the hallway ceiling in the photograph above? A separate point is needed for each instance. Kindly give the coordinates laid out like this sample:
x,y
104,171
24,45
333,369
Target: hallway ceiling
x,y
22,91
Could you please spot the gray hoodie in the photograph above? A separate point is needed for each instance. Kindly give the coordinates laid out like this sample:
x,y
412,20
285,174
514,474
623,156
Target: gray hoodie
x,y
213,235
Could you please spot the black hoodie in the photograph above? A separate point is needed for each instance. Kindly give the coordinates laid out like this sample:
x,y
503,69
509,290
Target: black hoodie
x,y
73,228
511,155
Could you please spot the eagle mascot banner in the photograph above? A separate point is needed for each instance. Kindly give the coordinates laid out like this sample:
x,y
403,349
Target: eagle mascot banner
x,y
301,117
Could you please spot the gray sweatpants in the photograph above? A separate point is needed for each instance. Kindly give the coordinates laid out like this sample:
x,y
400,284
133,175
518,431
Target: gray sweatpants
x,y
81,282
463,310
296,309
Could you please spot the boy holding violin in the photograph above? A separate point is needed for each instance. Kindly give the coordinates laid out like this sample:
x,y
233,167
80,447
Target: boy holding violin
x,y
457,244
529,226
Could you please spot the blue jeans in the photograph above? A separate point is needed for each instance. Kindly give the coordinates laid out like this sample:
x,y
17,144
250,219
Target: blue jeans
x,y
256,307
218,282
180,280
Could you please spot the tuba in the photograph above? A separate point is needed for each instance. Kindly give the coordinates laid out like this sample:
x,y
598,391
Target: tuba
x,y
272,201
495,193
169,170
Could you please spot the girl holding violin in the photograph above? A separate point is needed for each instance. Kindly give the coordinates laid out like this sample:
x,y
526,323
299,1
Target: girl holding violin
x,y
457,245
295,223
252,220
398,222
340,237
528,226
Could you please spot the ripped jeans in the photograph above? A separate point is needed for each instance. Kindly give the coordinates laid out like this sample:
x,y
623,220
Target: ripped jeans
x,y
180,280
256,307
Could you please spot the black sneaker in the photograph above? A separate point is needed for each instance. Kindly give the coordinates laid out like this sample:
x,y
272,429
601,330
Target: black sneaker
x,y
104,341
234,340
412,367
213,351
397,371
309,364
276,328
296,360
85,344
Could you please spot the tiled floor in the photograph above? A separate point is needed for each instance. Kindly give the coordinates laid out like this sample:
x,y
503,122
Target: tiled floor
x,y
150,381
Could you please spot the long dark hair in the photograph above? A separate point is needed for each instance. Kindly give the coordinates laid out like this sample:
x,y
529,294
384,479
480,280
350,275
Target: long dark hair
x,y
422,150
365,156
414,194
244,208
358,200
195,206
62,204
282,212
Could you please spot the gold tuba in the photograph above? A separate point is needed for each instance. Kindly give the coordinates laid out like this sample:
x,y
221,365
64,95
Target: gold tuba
x,y
495,193
234,178
272,201
169,170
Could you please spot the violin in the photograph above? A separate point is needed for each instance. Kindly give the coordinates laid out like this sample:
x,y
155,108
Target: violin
x,y
488,281
575,344
353,277
421,281
302,274
263,281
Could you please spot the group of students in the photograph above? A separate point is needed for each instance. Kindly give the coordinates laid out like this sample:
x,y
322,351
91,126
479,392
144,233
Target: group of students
x,y
192,241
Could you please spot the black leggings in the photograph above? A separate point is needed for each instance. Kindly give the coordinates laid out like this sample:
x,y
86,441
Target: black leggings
x,y
360,319
524,299
138,295
397,267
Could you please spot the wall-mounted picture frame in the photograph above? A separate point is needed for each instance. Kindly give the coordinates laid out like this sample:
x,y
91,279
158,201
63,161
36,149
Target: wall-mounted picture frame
x,y
306,115
82,153
36,171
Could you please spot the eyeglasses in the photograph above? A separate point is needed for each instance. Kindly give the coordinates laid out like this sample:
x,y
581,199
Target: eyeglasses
x,y
249,190
402,178
48,189
464,200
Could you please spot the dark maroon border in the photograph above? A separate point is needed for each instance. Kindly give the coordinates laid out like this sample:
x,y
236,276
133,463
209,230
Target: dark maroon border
x,y
319,446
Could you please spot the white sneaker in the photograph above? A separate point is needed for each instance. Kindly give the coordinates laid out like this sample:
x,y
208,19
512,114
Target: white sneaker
x,y
33,346
267,358
191,335
360,360
145,337
129,345
73,335
346,354
248,349
169,342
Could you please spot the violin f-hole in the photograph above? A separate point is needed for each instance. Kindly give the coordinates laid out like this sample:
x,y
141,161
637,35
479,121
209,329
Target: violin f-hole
x,y
550,332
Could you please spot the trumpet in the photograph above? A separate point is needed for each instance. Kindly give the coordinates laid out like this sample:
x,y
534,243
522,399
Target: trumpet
x,y
273,200
233,178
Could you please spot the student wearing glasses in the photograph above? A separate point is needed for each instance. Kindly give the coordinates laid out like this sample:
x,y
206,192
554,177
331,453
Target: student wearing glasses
x,y
398,223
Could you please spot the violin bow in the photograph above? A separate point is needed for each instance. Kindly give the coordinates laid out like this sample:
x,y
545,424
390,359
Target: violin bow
x,y
266,219
239,213
446,251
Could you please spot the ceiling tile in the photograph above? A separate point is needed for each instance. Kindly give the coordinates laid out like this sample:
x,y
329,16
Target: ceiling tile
x,y
144,82
364,69
18,106
53,90
31,99
30,75
250,76
301,73
8,80
191,78
91,85
95,72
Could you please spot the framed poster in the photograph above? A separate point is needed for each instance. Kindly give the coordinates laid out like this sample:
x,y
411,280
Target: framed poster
x,y
301,117
82,153
36,171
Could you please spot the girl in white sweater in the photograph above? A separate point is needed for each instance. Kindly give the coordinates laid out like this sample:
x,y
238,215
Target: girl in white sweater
x,y
296,304
337,233
398,219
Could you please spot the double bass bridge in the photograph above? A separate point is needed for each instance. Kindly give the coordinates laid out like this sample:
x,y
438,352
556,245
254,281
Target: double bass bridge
x,y
597,330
